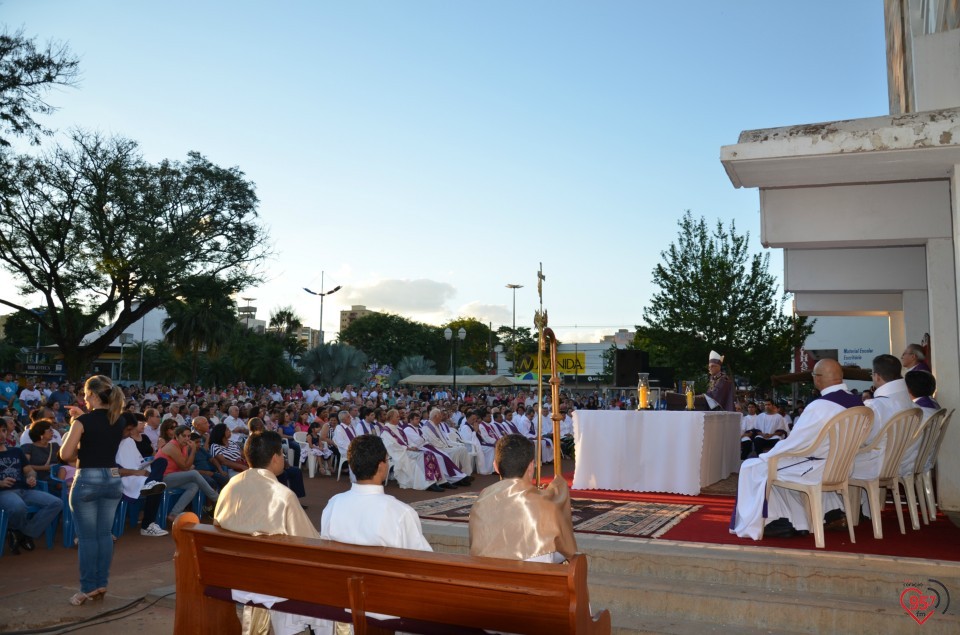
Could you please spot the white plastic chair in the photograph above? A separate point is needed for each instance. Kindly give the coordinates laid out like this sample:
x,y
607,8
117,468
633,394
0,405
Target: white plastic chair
x,y
897,434
301,438
845,432
926,462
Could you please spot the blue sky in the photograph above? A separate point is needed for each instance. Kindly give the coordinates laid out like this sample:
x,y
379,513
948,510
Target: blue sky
x,y
426,153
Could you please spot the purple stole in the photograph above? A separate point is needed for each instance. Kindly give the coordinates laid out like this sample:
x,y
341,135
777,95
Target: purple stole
x,y
843,399
510,425
350,433
489,432
431,469
927,402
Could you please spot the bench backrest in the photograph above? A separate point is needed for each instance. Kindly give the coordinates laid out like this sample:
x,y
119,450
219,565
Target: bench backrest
x,y
506,595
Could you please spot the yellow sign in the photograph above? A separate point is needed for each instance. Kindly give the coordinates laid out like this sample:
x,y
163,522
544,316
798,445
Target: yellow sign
x,y
567,363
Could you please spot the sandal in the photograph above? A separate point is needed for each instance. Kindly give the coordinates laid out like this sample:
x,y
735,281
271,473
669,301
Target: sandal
x,y
79,598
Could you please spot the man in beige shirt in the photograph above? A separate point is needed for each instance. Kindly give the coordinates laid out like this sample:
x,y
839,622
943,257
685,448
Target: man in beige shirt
x,y
241,508
513,519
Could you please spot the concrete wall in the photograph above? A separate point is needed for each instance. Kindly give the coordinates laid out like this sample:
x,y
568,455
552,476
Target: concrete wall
x,y
870,270
861,215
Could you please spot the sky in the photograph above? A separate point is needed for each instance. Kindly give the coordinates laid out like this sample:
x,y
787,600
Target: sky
x,y
424,154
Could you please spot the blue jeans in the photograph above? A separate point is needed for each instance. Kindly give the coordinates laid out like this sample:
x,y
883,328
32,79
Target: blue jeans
x,y
94,499
15,502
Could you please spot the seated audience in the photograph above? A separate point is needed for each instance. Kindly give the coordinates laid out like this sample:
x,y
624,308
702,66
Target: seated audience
x,y
17,483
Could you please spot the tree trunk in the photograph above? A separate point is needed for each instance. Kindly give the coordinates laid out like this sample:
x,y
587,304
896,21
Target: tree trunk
x,y
77,362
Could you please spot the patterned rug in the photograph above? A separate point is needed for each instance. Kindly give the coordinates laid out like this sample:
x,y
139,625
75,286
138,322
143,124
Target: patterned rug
x,y
619,518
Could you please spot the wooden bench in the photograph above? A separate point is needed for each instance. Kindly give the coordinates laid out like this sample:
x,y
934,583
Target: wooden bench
x,y
430,592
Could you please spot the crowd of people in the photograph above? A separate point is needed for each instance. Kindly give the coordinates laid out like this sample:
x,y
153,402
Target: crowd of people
x,y
138,442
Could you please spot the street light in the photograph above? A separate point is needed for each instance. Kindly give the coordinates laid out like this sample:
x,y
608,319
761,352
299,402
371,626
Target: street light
x,y
461,335
514,287
322,295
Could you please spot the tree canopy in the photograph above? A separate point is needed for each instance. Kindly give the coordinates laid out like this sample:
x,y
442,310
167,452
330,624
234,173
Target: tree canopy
x,y
27,73
92,226
715,295
387,338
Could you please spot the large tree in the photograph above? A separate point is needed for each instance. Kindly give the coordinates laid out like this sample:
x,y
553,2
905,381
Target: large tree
x,y
387,338
517,342
474,351
717,295
286,324
203,319
92,225
27,73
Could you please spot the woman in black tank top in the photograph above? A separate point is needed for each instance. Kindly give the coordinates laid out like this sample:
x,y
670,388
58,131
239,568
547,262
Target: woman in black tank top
x,y
93,440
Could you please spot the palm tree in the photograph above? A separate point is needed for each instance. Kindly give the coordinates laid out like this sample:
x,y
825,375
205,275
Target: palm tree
x,y
414,365
287,324
334,364
203,319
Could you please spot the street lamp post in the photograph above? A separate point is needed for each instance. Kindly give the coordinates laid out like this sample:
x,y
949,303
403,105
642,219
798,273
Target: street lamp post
x,y
125,338
247,311
514,287
461,335
322,295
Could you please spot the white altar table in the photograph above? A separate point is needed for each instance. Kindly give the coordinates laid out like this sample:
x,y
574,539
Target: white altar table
x,y
654,450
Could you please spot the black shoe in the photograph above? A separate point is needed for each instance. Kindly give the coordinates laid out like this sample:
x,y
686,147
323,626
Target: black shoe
x,y
779,528
25,541
13,544
435,488
835,520
466,481
448,486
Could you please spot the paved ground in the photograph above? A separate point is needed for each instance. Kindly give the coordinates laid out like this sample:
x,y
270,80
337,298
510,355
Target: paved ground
x,y
35,587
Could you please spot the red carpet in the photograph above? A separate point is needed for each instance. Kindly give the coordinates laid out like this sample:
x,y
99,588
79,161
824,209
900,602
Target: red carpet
x,y
940,540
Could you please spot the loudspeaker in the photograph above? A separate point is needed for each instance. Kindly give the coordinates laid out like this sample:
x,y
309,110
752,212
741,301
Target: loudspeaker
x,y
628,363
662,377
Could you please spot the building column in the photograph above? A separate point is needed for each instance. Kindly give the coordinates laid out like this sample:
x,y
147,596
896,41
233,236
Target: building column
x,y
943,267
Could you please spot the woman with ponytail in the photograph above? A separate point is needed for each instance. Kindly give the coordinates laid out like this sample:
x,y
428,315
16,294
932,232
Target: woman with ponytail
x,y
93,439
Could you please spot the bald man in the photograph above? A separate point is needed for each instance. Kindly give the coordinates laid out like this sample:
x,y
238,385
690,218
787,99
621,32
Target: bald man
x,y
786,510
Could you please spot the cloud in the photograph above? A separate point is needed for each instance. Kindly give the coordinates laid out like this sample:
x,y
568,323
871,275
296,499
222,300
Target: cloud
x,y
499,314
402,296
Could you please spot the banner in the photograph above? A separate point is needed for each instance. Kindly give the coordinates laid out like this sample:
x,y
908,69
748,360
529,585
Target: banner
x,y
567,363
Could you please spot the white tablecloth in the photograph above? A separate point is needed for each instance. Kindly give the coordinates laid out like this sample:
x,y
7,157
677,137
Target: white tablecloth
x,y
654,451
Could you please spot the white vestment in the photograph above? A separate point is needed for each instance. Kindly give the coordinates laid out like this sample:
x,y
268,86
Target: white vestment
x,y
788,504
910,454
484,452
407,462
458,452
416,439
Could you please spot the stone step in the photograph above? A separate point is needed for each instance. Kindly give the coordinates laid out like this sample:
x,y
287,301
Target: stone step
x,y
661,586
635,601
757,568
652,625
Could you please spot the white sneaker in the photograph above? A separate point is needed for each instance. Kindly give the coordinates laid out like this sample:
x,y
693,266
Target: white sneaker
x,y
153,530
152,487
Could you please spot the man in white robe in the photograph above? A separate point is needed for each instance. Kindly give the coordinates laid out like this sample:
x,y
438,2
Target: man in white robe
x,y
749,518
921,385
889,398
483,447
412,468
415,433
433,434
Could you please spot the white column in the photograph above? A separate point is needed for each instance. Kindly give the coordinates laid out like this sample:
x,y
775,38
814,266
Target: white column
x,y
942,274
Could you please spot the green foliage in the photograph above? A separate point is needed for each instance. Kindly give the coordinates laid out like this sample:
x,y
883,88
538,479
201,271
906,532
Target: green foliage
x,y
286,324
27,73
715,295
203,319
474,351
517,343
414,365
92,225
387,338
609,364
334,364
